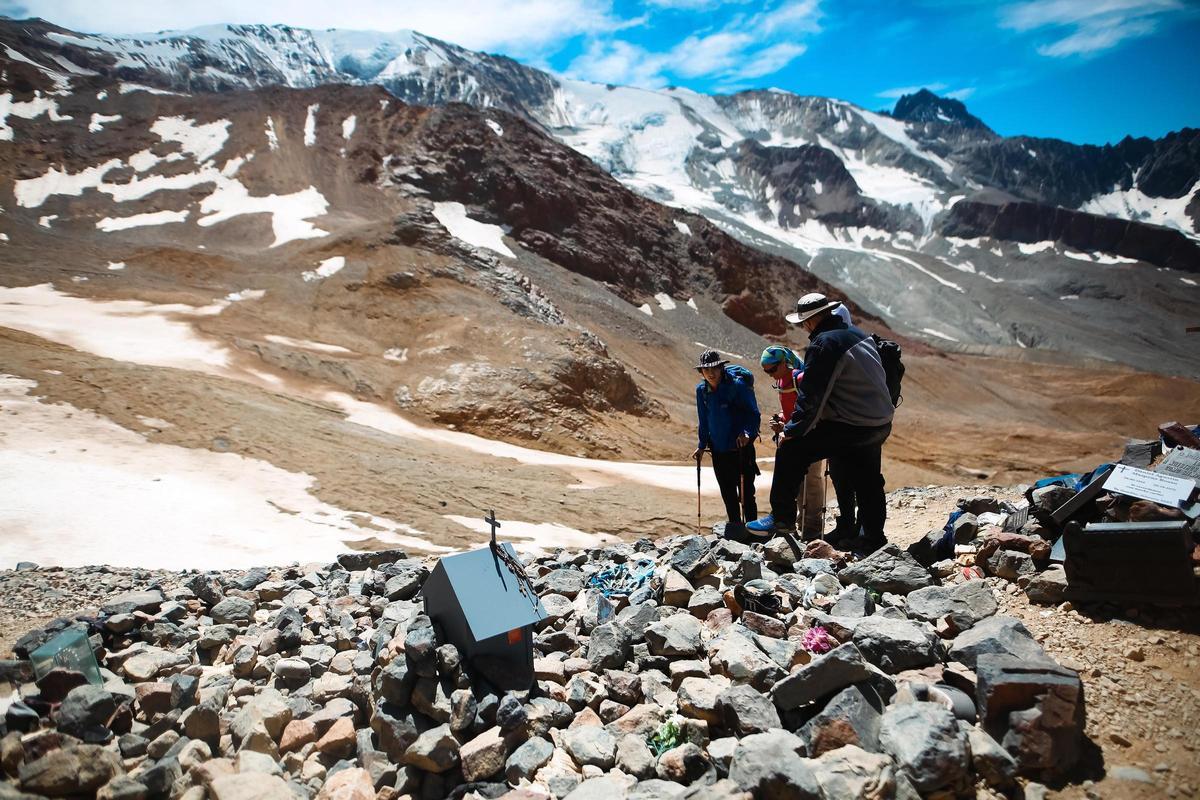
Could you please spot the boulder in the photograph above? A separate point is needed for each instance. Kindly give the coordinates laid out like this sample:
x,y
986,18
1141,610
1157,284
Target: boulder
x,y
854,601
435,750
852,717
694,559
683,764
739,659
888,569
232,611
989,759
147,602
85,713
374,559
1035,708
676,636
967,603
1009,564
824,675
483,756
1004,635
348,784
70,771
927,745
250,786
768,766
1048,588
610,647
634,757
743,710
895,645
591,745
853,772
527,759
567,582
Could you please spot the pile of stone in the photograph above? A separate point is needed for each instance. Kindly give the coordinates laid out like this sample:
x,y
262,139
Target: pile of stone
x,y
737,671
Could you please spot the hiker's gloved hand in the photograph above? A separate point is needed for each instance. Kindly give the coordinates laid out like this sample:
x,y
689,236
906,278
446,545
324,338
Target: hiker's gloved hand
x,y
777,425
743,440
698,454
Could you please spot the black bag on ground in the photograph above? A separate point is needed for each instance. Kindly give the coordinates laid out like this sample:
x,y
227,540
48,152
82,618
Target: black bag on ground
x,y
893,367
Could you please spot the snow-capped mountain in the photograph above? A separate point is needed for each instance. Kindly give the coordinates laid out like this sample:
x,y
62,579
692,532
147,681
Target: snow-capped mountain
x,y
924,216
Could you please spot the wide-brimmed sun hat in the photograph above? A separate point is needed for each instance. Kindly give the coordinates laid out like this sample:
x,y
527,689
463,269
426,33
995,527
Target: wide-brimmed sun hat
x,y
810,305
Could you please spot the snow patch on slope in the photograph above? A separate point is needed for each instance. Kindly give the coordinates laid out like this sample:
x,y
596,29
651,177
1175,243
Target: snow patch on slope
x,y
454,219
1136,205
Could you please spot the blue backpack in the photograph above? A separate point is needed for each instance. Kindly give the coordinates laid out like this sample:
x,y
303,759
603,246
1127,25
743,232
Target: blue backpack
x,y
738,372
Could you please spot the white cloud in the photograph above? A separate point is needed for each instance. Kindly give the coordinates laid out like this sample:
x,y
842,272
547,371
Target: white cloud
x,y
961,94
520,27
749,46
900,91
1088,26
622,63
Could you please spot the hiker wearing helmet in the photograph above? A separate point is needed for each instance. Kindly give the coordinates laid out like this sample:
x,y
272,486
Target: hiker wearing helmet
x,y
843,410
786,371
728,425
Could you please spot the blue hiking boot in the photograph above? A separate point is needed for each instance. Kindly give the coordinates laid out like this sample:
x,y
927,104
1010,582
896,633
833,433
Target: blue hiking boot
x,y
764,525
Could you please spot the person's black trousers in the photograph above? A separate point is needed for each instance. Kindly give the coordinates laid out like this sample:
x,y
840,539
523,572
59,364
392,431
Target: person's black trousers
x,y
735,471
841,476
859,451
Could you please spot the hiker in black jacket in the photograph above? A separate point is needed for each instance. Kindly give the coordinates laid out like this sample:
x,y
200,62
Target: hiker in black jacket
x,y
844,411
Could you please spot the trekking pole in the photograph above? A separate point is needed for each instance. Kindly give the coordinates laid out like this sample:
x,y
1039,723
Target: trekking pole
x,y
699,458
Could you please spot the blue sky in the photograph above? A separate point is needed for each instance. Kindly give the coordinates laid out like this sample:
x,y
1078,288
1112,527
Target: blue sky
x,y
1088,71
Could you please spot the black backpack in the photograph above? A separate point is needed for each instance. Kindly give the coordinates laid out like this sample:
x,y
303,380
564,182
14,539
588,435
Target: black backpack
x,y
893,367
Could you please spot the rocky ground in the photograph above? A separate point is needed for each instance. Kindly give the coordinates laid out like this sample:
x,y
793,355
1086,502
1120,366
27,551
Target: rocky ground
x,y
287,682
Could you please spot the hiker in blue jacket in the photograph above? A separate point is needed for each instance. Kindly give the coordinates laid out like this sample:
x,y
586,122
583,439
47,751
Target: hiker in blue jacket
x,y
728,425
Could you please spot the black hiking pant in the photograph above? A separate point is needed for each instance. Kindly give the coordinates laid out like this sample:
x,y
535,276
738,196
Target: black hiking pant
x,y
840,476
735,471
859,452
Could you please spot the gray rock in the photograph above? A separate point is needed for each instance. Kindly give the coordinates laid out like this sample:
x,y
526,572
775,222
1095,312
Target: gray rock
x,y
405,585
1049,498
853,602
925,549
740,659
895,645
1035,708
85,712
250,786
698,698
852,717
675,636
1011,565
888,569
293,672
589,744
768,765
605,787
396,682
269,709
840,667
683,764
927,745
420,647
634,757
354,562
70,770
967,603
1047,588
431,697
395,728
435,750
232,611
567,582
1005,635
988,759
121,787
966,528
657,789
528,759
851,771
610,647
811,567
147,602
703,601
462,710
743,710
695,559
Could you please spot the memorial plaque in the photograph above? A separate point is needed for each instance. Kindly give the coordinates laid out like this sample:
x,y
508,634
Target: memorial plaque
x,y
1182,462
1166,490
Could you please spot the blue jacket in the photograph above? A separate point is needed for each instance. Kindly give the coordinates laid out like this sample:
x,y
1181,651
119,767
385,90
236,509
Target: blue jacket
x,y
843,381
726,413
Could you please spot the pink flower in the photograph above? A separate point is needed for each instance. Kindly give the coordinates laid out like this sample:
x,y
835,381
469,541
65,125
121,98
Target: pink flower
x,y
817,640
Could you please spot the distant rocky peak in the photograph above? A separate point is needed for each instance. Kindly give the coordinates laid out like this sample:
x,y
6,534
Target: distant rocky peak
x,y
925,106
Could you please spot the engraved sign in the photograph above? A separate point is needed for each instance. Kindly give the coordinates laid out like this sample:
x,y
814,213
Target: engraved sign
x,y
1167,490
1182,462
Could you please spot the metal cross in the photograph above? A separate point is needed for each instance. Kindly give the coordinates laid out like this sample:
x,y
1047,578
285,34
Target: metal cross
x,y
491,520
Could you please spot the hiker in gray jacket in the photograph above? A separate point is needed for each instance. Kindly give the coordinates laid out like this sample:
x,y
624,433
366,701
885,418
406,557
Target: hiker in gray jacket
x,y
844,411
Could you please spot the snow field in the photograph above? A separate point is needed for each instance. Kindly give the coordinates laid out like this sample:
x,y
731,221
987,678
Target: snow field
x,y
454,219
